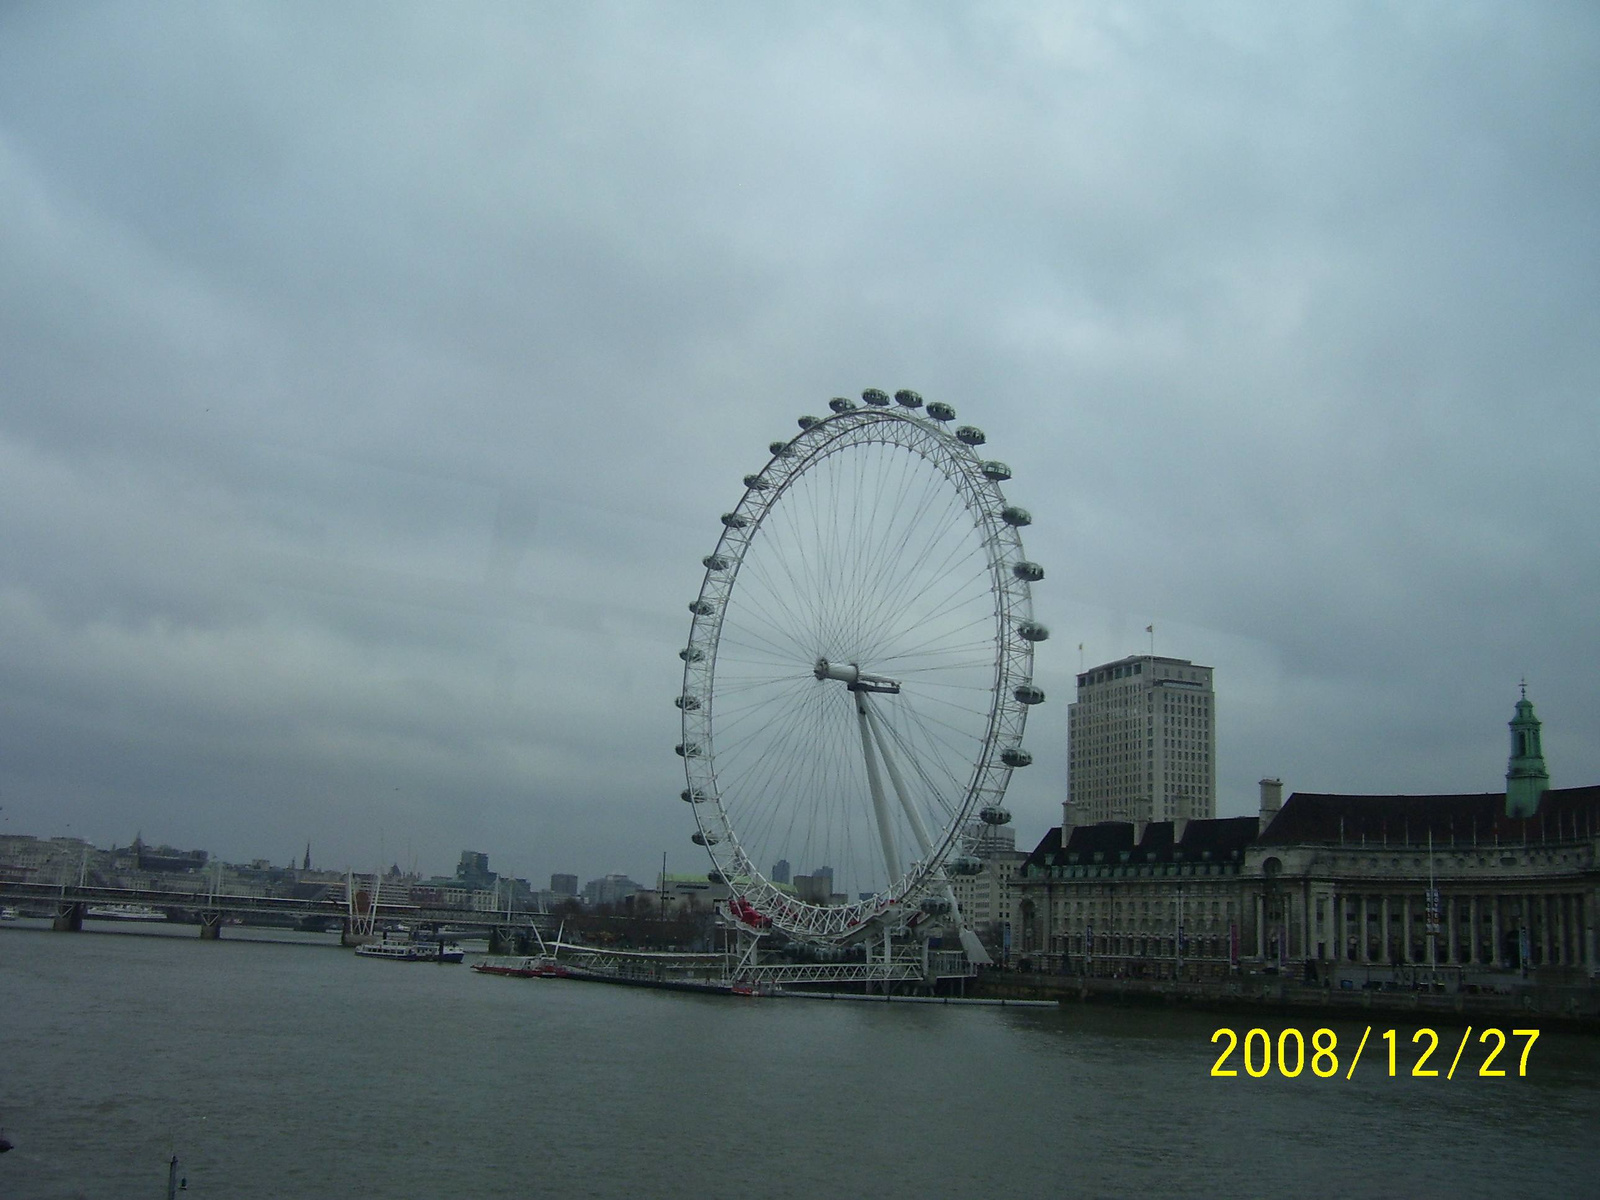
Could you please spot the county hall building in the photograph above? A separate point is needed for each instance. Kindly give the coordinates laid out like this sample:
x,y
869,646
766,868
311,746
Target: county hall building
x,y
1460,890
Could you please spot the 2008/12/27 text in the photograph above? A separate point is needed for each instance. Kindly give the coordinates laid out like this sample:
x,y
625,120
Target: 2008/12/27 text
x,y
1292,1056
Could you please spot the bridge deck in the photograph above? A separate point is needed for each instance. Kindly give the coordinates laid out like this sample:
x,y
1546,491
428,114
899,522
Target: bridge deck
x,y
333,904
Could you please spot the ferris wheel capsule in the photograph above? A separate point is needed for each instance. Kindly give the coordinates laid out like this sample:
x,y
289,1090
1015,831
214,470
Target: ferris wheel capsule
x,y
940,411
876,397
993,814
687,702
1016,756
907,398
996,472
702,608
808,422
735,520
1033,631
756,483
970,435
964,864
1016,517
691,654
692,796
781,450
1028,572
1029,694
714,562
840,404
687,750
704,839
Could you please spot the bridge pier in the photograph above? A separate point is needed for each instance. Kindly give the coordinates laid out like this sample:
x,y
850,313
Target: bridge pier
x,y
69,917
210,926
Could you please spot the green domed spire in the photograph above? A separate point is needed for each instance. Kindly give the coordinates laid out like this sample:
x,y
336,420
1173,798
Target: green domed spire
x,y
1526,776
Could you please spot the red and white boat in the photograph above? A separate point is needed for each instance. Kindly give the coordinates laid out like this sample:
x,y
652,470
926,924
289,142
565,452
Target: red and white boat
x,y
538,966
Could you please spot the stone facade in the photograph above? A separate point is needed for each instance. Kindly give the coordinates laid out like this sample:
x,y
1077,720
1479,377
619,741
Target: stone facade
x,y
1150,900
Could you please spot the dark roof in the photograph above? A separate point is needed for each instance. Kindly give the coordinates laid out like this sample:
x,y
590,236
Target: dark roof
x,y
1467,819
1046,849
1219,840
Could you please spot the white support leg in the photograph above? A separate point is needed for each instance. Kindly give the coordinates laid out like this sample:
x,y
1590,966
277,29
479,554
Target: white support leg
x,y
880,807
969,940
918,829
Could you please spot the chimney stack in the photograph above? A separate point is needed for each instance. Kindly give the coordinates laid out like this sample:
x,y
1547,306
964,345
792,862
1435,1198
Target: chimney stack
x,y
1069,819
1271,800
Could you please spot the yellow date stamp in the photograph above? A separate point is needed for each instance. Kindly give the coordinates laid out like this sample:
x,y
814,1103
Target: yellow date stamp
x,y
1292,1054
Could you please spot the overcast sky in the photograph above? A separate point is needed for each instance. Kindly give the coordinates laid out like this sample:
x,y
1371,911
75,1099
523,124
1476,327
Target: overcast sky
x,y
372,378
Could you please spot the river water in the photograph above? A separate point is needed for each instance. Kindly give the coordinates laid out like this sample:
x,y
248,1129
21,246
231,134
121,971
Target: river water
x,y
278,1065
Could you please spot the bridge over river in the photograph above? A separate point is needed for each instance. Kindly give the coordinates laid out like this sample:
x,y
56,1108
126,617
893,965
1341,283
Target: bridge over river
x,y
356,908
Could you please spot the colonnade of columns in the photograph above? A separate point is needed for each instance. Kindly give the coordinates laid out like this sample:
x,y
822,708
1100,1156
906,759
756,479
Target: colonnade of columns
x,y
1474,929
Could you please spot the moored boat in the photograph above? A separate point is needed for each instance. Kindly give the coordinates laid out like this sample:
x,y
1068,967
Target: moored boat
x,y
538,966
396,951
439,952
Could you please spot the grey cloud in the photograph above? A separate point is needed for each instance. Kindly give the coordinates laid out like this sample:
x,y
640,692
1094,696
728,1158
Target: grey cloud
x,y
370,384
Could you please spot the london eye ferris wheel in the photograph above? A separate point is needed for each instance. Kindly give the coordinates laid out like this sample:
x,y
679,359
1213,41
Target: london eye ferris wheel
x,y
858,671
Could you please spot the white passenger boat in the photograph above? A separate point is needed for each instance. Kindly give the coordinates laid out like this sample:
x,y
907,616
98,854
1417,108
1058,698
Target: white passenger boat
x,y
439,952
398,951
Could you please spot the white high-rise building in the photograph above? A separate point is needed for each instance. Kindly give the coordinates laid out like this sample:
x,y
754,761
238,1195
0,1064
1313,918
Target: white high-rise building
x,y
1142,743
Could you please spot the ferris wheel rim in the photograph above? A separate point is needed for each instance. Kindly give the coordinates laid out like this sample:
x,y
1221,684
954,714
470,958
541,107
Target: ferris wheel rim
x,y
996,525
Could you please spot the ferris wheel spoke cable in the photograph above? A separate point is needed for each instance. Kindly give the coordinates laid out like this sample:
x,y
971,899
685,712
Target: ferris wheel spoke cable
x,y
786,529
790,604
887,547
813,557
868,538
929,572
759,624
763,718
933,789
976,657
930,639
930,747
931,706
945,588
881,553
808,789
759,640
919,595
896,561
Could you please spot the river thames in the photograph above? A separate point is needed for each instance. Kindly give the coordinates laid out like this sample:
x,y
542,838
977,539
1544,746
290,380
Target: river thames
x,y
278,1065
